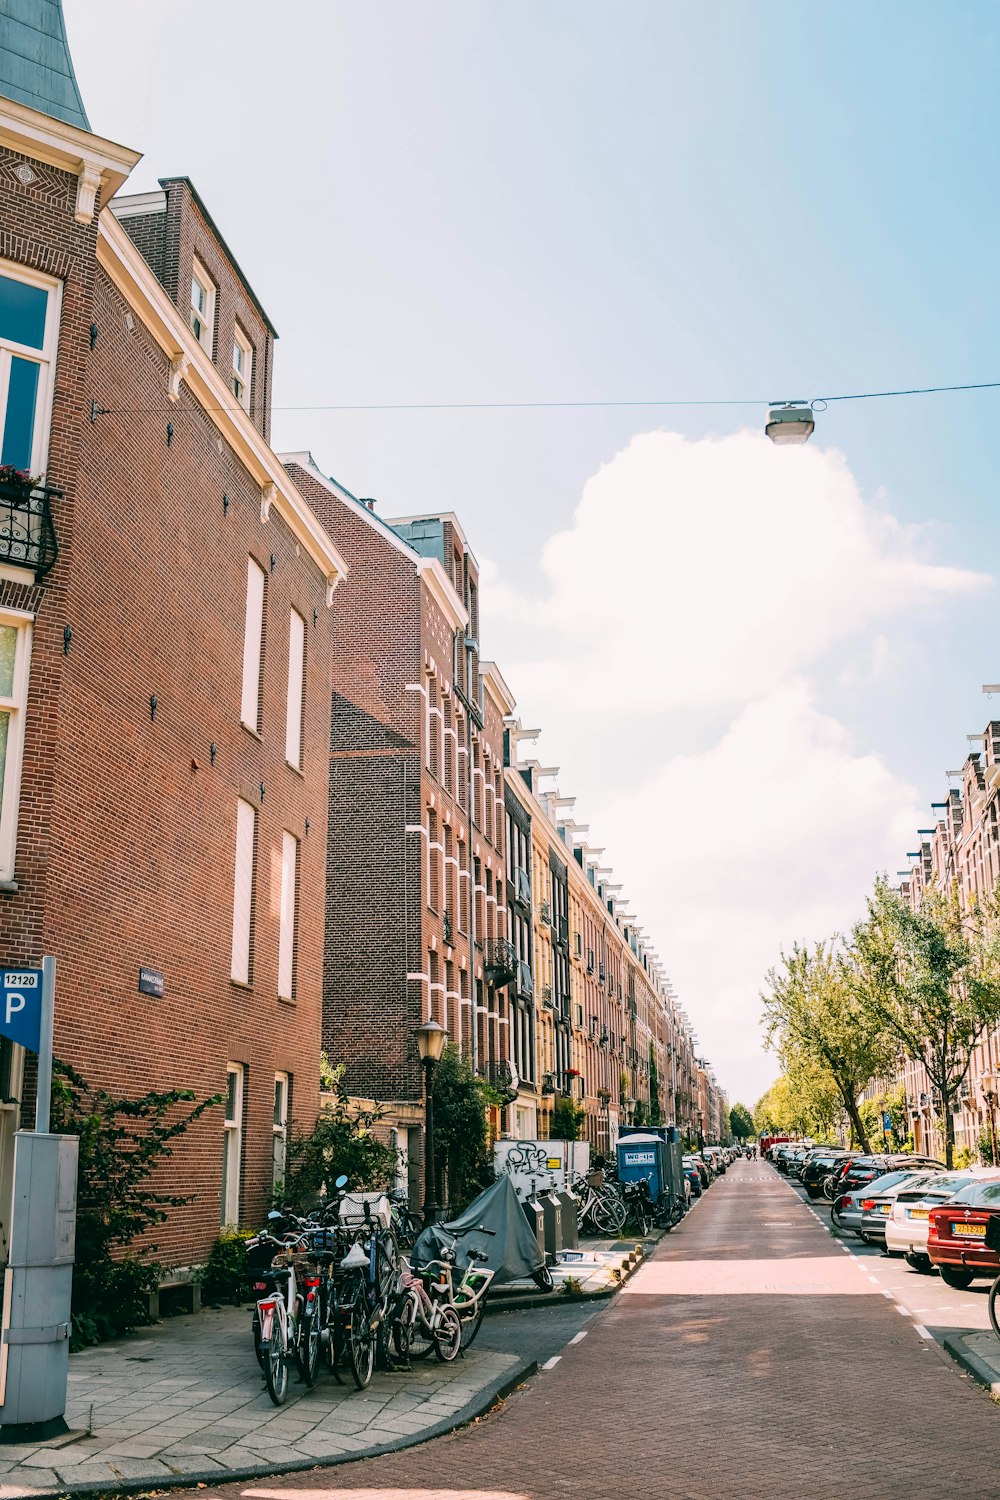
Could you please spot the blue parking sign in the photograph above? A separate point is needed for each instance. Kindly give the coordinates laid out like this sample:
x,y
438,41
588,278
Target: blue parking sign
x,y
21,1006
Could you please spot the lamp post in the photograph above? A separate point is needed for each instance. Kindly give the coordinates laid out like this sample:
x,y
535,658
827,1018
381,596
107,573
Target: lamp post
x,y
430,1042
988,1084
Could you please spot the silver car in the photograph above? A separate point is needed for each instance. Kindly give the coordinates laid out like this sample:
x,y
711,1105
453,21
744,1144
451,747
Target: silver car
x,y
876,1204
847,1212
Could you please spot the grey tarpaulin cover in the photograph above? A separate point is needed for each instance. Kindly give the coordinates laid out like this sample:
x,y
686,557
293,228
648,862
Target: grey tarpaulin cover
x,y
511,1249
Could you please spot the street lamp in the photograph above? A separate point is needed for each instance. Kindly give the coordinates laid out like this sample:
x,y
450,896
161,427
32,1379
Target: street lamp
x,y
792,422
430,1043
988,1084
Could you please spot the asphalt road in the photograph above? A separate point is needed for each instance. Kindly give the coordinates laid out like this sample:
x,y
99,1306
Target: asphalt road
x,y
752,1359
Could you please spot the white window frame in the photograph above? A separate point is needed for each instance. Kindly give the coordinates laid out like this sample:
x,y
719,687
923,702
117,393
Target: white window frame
x,y
232,1152
296,689
44,358
287,917
243,892
253,644
16,706
242,378
279,1129
207,318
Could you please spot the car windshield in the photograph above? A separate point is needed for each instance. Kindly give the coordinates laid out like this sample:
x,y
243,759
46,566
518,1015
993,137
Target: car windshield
x,y
886,1181
980,1194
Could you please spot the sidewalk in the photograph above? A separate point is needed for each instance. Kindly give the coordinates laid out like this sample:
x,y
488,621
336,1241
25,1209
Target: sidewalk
x,y
979,1356
184,1400
599,1266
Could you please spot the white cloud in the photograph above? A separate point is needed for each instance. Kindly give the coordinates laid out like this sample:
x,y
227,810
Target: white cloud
x,y
706,572
671,654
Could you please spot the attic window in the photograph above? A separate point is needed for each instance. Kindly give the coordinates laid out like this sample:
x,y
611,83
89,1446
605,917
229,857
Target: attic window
x,y
202,306
242,367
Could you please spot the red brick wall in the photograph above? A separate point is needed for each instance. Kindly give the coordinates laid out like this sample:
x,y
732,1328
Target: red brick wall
x,y
127,836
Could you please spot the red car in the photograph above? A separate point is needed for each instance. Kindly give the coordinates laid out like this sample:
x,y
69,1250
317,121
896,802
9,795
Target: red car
x,y
956,1237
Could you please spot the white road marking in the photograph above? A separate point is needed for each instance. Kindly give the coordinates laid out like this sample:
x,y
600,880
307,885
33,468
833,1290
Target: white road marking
x,y
550,1364
578,1336
922,1331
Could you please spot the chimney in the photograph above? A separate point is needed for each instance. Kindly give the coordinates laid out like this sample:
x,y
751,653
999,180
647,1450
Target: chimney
x,y
370,504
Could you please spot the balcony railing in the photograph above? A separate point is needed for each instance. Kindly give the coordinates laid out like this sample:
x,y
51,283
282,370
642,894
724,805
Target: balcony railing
x,y
27,535
525,983
499,961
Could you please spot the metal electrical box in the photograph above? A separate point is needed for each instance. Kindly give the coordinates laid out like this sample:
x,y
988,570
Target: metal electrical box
x,y
34,1356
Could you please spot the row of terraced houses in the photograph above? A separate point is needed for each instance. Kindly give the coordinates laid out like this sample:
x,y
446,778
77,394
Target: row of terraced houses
x,y
259,791
960,851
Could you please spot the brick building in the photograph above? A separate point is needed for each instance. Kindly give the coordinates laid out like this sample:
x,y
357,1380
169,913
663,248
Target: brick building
x,y
416,896
165,640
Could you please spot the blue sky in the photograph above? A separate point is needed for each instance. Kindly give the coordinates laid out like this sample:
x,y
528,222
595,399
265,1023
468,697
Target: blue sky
x,y
575,201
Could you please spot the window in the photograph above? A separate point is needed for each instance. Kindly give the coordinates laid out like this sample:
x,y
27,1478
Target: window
x,y
279,1130
296,681
242,367
232,1144
253,645
203,306
15,651
29,327
286,929
243,892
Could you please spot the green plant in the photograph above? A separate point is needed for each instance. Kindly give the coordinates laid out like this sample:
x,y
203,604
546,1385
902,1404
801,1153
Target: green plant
x,y
342,1142
567,1119
640,1115
986,1149
655,1114
461,1100
122,1143
741,1122
223,1277
962,1157
572,1287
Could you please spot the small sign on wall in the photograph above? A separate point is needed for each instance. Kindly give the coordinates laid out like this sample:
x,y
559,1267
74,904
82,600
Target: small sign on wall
x,y
151,983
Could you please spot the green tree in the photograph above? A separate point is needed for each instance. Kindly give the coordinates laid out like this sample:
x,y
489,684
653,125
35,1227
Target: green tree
x,y
122,1143
343,1141
931,979
815,1016
461,1100
567,1119
741,1122
655,1112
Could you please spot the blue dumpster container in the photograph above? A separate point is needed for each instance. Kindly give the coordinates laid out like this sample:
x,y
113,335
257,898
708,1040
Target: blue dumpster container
x,y
644,1156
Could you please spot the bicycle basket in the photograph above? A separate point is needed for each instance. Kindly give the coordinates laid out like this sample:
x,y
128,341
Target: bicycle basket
x,y
352,1209
993,1233
259,1257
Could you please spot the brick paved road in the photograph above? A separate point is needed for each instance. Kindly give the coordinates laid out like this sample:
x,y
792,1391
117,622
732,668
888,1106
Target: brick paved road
x,y
750,1360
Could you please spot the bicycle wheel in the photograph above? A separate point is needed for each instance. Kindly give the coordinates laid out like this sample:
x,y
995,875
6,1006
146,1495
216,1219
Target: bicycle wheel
x,y
828,1189
543,1279
307,1349
361,1345
419,1339
835,1218
276,1366
471,1324
995,1306
448,1334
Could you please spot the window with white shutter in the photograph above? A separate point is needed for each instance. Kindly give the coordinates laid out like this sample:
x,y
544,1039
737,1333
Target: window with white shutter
x,y
246,821
253,641
296,672
286,932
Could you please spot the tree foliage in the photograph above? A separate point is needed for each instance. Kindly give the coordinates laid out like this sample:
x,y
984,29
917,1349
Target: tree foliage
x,y
344,1141
741,1122
655,1110
931,979
567,1119
816,1020
461,1101
122,1143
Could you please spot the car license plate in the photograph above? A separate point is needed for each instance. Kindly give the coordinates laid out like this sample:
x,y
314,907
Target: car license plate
x,y
917,1213
969,1231
882,1208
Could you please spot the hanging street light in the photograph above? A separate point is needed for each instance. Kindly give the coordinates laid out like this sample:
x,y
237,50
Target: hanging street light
x,y
791,422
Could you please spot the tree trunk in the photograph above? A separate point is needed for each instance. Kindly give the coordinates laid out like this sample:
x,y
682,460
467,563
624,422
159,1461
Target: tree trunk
x,y
857,1128
949,1134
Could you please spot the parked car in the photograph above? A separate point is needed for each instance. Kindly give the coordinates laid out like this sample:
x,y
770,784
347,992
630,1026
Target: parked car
x,y
907,1226
817,1167
957,1234
693,1176
859,1171
847,1210
879,1196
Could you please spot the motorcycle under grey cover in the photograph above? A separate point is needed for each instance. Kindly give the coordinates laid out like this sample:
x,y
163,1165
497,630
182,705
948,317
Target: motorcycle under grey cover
x,y
511,1249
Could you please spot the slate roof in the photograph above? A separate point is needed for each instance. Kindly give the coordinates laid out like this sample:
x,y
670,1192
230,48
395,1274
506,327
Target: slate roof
x,y
35,66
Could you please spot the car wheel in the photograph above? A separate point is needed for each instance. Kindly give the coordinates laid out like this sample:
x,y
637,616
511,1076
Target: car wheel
x,y
954,1276
919,1263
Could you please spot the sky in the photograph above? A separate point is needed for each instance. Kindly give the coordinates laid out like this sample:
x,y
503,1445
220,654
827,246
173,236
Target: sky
x,y
754,666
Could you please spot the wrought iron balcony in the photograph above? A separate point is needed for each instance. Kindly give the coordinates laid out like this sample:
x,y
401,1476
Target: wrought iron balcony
x,y
27,535
525,983
503,1076
499,961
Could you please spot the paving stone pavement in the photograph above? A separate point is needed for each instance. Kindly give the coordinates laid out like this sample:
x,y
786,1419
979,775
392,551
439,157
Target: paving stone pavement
x,y
751,1359
185,1398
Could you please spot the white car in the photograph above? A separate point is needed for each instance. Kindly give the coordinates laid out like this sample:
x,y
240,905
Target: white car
x,y
906,1229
